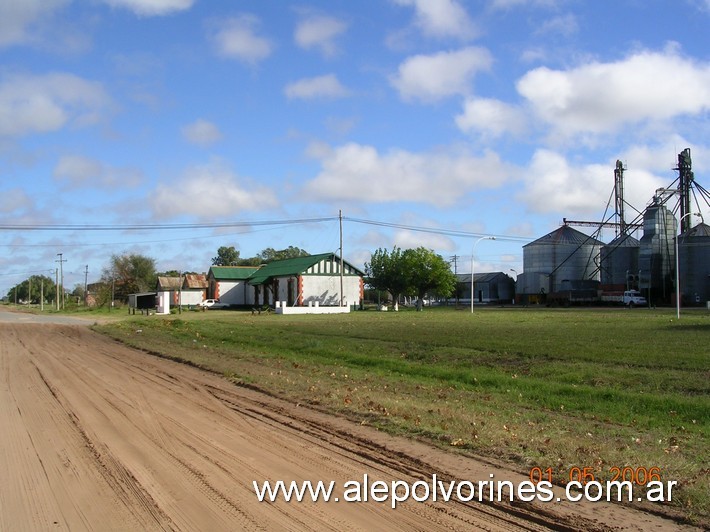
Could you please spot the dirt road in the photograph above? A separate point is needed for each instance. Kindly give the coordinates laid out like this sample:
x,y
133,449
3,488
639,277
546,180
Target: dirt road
x,y
96,436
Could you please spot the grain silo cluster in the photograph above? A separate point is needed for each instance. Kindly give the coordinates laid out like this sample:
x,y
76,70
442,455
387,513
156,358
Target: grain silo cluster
x,y
568,266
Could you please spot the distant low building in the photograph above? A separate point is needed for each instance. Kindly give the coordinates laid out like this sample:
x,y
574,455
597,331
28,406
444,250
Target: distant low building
x,y
492,287
187,290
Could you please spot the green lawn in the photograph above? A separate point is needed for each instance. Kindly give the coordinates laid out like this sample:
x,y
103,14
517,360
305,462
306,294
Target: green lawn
x,y
555,388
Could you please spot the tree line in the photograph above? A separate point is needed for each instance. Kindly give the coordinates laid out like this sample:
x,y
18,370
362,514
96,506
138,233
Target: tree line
x,y
410,272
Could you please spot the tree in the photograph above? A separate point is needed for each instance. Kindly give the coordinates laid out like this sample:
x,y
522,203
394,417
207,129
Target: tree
x,y
129,274
388,271
271,254
413,271
174,273
31,290
427,272
226,256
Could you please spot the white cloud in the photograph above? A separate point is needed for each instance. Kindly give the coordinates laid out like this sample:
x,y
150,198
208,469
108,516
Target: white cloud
x,y
553,186
431,77
18,18
14,200
490,117
210,191
508,4
78,171
521,228
326,86
202,133
441,18
40,104
152,7
237,38
412,240
650,167
564,25
320,32
340,125
533,55
602,97
355,172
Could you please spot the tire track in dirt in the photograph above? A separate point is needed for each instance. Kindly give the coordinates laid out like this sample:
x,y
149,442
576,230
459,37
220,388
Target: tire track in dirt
x,y
121,406
100,436
46,464
375,458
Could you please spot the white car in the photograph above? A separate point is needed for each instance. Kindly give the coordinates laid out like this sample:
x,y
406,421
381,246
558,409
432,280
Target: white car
x,y
212,303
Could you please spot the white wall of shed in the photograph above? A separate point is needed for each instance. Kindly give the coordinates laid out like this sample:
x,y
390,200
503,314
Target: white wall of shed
x,y
235,293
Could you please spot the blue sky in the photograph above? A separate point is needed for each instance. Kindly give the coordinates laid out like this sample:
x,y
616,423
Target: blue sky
x,y
465,118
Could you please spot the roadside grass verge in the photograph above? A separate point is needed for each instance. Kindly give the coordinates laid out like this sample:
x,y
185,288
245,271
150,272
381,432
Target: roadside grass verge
x,y
554,388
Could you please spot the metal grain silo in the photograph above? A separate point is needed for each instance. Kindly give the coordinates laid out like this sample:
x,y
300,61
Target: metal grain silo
x,y
694,265
620,263
657,253
561,259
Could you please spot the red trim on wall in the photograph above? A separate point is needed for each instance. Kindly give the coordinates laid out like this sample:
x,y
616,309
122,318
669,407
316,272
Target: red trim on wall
x,y
300,290
216,290
362,288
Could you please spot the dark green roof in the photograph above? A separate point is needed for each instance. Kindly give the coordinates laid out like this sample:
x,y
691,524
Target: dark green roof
x,y
233,273
293,266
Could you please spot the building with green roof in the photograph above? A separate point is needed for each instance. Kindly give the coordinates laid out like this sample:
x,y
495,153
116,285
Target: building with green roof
x,y
309,280
229,284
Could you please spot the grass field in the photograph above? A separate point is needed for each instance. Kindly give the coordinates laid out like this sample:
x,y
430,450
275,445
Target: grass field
x,y
557,388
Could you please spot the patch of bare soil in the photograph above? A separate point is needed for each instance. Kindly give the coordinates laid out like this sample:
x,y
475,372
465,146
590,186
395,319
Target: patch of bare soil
x,y
97,436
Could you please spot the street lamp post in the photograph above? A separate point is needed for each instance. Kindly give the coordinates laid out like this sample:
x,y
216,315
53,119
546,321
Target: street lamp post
x,y
515,285
677,264
473,250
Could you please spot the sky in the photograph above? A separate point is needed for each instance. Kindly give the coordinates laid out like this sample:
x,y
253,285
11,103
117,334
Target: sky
x,y
170,128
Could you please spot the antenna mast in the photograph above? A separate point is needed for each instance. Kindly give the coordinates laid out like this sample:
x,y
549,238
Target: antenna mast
x,y
685,182
619,196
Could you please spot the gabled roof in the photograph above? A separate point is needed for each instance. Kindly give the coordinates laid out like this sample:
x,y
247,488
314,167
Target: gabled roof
x,y
232,273
168,283
195,281
294,266
484,277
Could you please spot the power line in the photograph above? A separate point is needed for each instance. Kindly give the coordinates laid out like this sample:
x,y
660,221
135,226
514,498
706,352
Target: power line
x,y
233,224
26,273
161,241
445,232
158,227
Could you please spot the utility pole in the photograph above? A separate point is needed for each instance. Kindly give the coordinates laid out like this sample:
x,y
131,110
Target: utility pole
x,y
61,275
342,295
86,284
455,260
56,285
